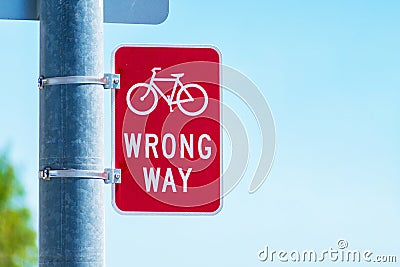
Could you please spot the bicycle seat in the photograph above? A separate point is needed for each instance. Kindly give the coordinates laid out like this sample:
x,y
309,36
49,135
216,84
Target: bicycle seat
x,y
178,75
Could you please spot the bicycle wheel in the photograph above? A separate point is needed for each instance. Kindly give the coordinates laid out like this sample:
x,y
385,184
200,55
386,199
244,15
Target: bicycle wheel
x,y
196,100
140,101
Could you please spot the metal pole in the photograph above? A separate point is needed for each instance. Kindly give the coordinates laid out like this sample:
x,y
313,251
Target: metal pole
x,y
71,210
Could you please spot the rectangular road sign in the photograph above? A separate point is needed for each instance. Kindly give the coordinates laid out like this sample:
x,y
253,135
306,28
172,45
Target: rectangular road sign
x,y
115,11
136,11
19,9
167,129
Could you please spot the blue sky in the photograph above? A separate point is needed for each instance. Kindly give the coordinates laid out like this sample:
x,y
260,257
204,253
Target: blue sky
x,y
330,73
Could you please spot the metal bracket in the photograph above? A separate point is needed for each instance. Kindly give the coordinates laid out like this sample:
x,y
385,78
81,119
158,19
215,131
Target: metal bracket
x,y
113,176
113,81
109,81
110,176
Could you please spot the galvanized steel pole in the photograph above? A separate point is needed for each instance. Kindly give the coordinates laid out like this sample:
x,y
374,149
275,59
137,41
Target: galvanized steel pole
x,y
71,211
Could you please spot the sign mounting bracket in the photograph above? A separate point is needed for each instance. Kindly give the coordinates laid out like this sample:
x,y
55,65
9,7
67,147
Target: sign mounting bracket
x,y
110,176
109,81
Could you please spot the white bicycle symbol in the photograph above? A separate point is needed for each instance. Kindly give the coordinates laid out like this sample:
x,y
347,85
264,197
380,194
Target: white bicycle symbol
x,y
154,89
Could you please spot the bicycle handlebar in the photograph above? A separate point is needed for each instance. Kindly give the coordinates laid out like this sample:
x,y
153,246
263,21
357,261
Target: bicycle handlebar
x,y
155,69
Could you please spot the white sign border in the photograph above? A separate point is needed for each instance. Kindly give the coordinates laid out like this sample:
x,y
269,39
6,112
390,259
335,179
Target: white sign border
x,y
121,212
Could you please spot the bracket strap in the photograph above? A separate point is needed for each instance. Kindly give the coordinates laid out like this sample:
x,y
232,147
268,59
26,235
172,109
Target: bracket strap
x,y
109,81
108,175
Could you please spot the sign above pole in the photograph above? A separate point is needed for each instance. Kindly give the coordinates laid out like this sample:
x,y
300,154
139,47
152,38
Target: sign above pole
x,y
19,9
136,11
115,11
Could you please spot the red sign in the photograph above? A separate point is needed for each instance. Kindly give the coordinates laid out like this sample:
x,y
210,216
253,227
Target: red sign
x,y
167,129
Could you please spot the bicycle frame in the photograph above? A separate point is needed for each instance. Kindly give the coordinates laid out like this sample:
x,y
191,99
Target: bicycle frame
x,y
169,98
175,93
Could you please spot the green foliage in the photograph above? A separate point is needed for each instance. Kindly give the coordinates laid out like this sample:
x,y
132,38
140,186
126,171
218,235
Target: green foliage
x,y
17,238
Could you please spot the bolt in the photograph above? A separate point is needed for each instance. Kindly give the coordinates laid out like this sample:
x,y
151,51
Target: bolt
x,y
116,81
117,176
40,82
